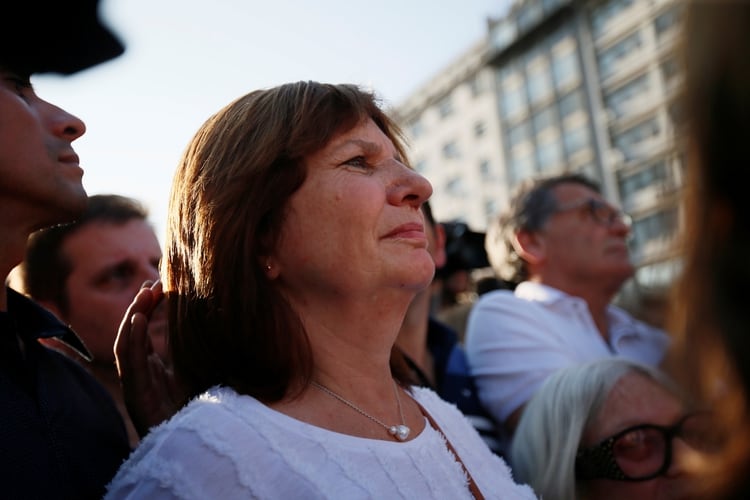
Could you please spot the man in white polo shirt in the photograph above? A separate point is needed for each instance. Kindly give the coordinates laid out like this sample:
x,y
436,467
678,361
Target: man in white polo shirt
x,y
566,247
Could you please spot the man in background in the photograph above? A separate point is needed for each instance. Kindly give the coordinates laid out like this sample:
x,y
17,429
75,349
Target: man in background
x,y
566,249
88,273
432,352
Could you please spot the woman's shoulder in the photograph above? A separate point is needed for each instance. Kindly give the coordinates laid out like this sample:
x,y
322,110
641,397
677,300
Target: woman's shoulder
x,y
217,431
488,469
216,404
207,420
443,411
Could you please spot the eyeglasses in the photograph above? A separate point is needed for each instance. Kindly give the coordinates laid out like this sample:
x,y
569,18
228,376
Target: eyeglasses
x,y
601,212
641,452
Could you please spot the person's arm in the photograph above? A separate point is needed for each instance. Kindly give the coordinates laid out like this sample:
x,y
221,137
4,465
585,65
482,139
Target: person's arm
x,y
512,346
150,391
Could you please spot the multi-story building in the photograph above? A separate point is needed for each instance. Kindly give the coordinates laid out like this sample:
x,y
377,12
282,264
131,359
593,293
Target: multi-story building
x,y
454,129
559,86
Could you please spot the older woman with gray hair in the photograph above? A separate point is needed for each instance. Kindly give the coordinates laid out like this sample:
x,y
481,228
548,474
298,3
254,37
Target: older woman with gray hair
x,y
608,429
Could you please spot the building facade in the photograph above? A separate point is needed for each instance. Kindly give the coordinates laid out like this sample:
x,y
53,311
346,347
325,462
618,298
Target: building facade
x,y
561,86
453,129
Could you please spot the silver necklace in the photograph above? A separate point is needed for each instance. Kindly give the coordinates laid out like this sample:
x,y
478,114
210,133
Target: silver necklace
x,y
400,432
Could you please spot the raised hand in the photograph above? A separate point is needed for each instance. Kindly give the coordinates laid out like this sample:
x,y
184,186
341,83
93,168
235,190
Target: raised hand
x,y
150,390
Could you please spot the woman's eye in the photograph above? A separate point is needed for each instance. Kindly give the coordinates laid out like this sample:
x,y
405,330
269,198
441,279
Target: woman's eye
x,y
358,162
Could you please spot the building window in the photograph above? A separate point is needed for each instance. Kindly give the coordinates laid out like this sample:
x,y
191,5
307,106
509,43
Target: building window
x,y
450,150
445,106
479,129
538,83
565,69
666,21
521,165
455,186
551,5
529,14
629,141
485,169
623,49
512,101
549,154
606,12
620,100
570,103
476,85
576,137
519,133
653,232
503,33
643,179
415,128
544,118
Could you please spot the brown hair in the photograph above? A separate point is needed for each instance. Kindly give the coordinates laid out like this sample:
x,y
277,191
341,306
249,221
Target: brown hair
x,y
712,348
229,324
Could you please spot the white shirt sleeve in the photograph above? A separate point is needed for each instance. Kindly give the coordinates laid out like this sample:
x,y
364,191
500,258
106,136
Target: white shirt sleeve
x,y
513,345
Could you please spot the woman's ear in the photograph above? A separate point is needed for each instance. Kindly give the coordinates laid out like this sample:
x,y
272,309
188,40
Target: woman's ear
x,y
270,267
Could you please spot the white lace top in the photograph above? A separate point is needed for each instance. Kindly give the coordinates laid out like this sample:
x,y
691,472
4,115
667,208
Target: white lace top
x,y
226,446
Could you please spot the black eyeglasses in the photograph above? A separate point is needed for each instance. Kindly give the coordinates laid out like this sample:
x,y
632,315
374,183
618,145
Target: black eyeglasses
x,y
641,452
601,212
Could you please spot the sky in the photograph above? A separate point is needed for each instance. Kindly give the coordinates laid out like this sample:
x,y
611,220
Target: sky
x,y
186,59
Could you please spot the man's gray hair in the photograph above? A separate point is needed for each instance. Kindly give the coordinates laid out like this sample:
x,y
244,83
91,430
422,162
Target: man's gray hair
x,y
532,203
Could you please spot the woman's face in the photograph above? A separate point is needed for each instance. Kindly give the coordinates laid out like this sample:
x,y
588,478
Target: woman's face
x,y
635,400
355,228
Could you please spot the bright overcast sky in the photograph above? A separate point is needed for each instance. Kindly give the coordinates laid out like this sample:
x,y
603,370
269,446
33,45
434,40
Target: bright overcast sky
x,y
185,59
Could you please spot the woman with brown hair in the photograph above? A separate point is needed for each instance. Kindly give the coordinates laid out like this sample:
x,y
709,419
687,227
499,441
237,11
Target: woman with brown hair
x,y
295,245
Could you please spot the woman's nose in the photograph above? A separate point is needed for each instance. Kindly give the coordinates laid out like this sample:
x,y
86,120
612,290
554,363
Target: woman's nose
x,y
409,187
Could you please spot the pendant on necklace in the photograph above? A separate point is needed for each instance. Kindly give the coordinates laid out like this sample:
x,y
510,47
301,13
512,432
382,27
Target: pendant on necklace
x,y
400,432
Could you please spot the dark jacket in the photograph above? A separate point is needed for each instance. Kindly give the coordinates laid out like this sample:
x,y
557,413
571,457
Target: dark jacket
x,y
61,435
